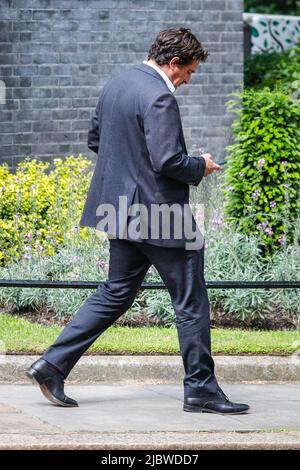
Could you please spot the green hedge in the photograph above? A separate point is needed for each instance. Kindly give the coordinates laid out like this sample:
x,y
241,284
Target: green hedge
x,y
263,173
281,7
274,70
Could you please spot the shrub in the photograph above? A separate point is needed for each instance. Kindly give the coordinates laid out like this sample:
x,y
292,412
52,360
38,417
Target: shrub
x,y
262,179
229,256
274,70
39,208
89,262
283,7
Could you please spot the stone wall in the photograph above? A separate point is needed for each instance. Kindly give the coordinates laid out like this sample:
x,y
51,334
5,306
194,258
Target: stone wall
x,y
55,56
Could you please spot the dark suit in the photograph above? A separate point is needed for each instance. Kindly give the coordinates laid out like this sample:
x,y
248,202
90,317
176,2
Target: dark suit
x,y
137,132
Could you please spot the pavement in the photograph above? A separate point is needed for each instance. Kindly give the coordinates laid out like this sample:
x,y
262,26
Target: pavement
x,y
131,403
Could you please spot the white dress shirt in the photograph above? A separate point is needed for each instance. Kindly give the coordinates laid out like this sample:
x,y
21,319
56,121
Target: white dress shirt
x,y
162,74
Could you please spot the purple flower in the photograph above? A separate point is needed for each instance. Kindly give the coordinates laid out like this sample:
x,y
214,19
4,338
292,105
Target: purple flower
x,y
261,162
102,264
273,204
269,231
18,215
230,189
76,229
282,240
286,185
241,173
217,221
28,236
27,256
38,246
264,226
284,163
256,194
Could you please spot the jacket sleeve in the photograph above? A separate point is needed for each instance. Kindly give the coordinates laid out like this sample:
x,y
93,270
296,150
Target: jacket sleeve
x,y
162,127
94,131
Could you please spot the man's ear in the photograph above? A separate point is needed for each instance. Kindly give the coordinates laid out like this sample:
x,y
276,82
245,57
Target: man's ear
x,y
174,62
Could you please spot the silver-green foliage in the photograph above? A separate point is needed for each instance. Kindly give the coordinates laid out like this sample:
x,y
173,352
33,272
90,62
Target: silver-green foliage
x,y
228,256
88,262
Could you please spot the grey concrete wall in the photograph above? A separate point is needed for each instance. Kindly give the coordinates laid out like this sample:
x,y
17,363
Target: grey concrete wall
x,y
55,56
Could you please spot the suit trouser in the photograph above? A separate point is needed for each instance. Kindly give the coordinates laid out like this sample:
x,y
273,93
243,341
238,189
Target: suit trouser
x,y
182,273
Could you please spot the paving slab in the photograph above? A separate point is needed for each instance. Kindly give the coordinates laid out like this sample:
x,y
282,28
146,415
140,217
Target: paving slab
x,y
114,416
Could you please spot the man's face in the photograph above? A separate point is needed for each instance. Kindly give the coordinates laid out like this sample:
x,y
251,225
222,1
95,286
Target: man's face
x,y
182,73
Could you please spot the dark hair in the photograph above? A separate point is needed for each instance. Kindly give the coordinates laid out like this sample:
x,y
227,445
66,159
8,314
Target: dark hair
x,y
177,42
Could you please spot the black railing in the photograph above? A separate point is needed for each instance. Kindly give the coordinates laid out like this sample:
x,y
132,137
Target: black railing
x,y
148,285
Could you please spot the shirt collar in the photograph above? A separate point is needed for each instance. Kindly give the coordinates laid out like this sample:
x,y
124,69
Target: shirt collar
x,y
162,74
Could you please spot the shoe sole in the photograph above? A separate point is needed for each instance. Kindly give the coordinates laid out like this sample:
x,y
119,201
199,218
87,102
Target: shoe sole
x,y
197,409
36,379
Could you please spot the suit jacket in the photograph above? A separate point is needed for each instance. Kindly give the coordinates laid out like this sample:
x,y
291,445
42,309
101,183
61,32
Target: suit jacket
x,y
136,131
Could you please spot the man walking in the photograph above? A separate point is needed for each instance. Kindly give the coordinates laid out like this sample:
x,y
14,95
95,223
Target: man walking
x,y
142,163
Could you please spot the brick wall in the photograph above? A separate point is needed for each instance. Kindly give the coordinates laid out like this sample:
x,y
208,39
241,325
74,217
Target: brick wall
x,y
55,56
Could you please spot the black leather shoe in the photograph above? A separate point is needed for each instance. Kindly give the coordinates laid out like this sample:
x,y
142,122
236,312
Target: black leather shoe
x,y
51,382
214,403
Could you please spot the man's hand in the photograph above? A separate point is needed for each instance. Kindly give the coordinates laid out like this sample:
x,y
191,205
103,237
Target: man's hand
x,y
210,166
